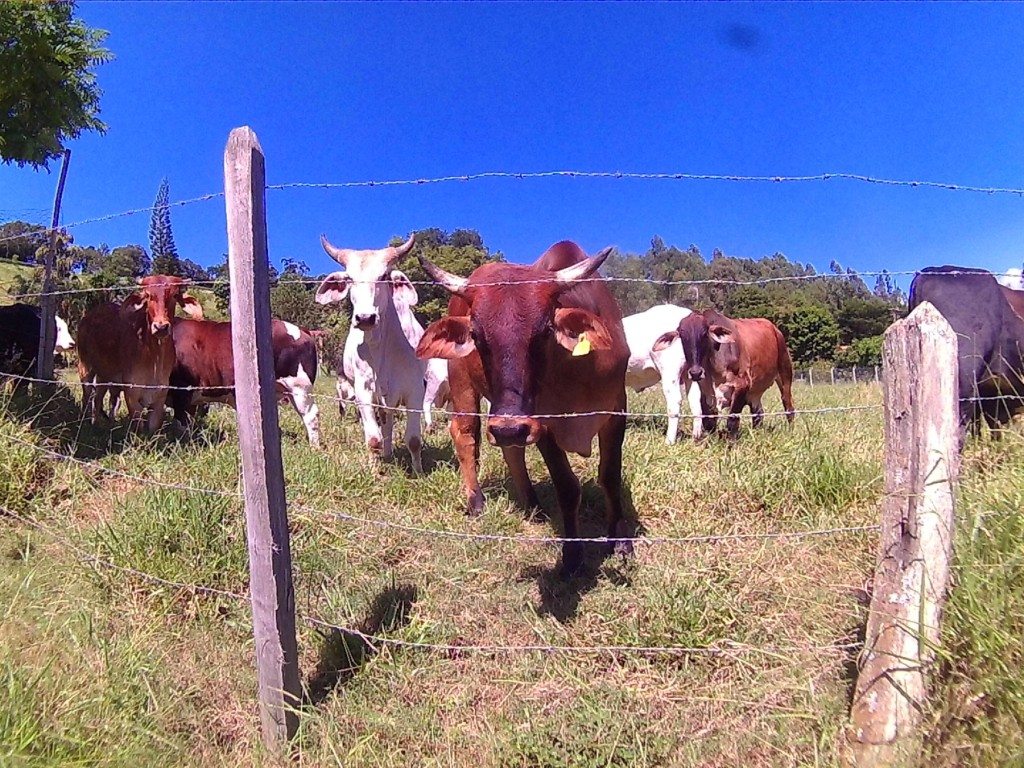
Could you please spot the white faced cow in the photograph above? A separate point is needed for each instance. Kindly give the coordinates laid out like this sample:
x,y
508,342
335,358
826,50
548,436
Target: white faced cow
x,y
436,392
648,366
382,363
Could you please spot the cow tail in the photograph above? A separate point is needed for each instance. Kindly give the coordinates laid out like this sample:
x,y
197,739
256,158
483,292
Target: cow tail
x,y
785,376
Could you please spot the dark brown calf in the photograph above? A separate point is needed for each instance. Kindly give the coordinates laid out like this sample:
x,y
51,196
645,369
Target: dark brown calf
x,y
735,362
128,348
537,341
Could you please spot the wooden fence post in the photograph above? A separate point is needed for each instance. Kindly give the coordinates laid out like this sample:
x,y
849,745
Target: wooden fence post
x,y
266,518
855,374
876,374
810,377
48,302
921,466
832,372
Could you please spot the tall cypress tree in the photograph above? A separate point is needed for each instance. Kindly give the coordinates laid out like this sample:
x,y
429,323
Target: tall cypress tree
x,y
161,240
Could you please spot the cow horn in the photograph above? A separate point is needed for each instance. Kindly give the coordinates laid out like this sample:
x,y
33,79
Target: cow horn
x,y
453,283
340,255
402,250
583,269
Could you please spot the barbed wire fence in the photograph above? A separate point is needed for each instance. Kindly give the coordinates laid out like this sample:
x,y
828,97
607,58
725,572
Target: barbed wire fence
x,y
908,631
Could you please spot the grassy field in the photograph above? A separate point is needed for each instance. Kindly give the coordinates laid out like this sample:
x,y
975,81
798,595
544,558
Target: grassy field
x,y
10,270
103,667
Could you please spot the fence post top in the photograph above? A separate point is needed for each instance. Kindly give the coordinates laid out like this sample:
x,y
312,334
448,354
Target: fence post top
x,y
244,136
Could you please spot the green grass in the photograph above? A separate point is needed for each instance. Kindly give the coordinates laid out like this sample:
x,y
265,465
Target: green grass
x,y
104,667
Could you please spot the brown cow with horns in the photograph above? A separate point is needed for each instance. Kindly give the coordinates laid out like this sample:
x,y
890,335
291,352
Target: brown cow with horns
x,y
538,342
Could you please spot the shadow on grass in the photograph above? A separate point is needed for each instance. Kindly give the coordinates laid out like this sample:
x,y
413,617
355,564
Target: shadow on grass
x,y
55,413
560,595
343,653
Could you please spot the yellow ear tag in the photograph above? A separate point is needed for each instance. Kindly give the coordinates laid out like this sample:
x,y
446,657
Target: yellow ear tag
x,y
582,346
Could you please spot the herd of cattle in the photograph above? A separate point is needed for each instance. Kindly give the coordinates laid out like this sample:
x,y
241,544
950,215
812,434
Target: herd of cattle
x,y
545,344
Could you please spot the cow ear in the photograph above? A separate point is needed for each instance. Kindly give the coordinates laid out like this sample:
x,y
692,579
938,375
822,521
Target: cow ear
x,y
571,322
136,302
447,338
334,288
720,334
191,306
665,341
403,289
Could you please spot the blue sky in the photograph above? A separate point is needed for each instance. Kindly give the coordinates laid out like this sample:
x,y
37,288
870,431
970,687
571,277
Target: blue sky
x,y
353,91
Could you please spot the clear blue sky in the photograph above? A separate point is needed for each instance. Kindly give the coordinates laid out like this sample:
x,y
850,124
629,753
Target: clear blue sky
x,y
351,91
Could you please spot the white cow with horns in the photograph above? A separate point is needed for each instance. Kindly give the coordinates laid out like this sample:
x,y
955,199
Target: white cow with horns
x,y
378,358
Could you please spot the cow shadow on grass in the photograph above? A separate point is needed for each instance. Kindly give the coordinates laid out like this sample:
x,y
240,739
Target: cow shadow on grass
x,y
560,595
344,652
54,412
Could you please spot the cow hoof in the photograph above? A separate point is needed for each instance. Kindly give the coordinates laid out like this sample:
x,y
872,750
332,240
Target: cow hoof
x,y
622,548
475,504
374,444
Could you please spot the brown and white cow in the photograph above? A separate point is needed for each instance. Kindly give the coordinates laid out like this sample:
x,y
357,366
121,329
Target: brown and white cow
x,y
537,341
735,362
204,371
128,348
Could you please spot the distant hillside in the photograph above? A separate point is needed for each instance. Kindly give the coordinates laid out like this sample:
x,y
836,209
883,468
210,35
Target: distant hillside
x,y
9,270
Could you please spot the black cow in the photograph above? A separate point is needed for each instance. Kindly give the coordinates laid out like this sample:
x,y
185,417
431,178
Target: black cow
x,y
19,339
990,337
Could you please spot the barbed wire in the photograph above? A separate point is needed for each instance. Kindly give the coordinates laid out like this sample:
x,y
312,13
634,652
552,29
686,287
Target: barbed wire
x,y
649,176
96,560
722,648
725,648
440,411
452,534
310,281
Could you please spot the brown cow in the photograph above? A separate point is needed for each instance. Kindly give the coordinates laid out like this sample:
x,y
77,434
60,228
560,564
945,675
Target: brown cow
x,y
205,369
129,348
735,362
545,341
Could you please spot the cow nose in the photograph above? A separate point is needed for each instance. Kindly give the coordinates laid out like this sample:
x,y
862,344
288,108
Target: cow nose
x,y
509,430
159,329
366,321
696,373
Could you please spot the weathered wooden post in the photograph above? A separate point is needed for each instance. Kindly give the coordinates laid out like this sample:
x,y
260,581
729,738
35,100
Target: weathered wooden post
x,y
832,373
855,374
810,377
48,302
919,375
266,518
876,374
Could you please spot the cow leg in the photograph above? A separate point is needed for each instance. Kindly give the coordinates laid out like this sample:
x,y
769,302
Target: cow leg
x,y
388,441
364,405
567,490
703,407
673,399
756,411
156,413
428,399
515,458
609,475
465,432
786,390
346,394
736,405
301,399
413,440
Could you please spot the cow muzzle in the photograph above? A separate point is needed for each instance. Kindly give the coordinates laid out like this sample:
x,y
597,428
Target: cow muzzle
x,y
506,431
696,373
365,322
159,329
